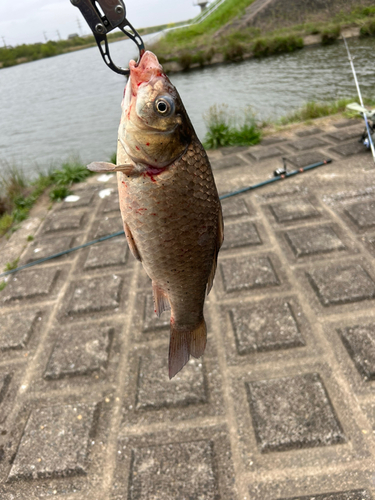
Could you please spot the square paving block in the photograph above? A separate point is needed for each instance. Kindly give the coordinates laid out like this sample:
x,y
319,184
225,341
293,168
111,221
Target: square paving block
x,y
293,412
55,442
307,143
346,123
248,273
344,495
112,204
150,320
233,150
313,240
108,253
362,214
351,148
16,329
174,471
86,198
228,162
233,207
309,131
338,284
108,226
272,140
64,221
79,350
48,246
305,159
346,134
359,340
293,209
265,326
241,234
30,284
155,390
95,294
264,152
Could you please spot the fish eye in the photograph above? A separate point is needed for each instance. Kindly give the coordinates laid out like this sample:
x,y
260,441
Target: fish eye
x,y
164,106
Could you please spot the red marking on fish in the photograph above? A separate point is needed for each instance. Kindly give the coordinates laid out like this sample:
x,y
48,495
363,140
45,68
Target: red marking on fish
x,y
137,148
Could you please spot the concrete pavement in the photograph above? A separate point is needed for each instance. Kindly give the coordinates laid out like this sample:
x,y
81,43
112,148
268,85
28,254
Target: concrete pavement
x,y
281,406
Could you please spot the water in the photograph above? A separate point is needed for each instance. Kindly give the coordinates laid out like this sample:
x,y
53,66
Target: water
x,y
70,104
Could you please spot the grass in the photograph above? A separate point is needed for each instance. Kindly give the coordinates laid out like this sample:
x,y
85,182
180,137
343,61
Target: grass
x,y
18,196
3,284
9,266
225,129
314,109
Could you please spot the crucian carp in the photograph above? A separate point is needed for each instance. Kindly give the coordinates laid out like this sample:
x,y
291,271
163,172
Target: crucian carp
x,y
169,204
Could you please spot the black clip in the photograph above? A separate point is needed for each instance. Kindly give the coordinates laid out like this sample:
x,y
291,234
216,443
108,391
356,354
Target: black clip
x,y
113,16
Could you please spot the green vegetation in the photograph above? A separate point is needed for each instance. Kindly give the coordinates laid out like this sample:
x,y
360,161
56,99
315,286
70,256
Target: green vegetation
x,y
3,284
30,238
313,109
17,195
330,34
225,129
276,45
11,265
58,193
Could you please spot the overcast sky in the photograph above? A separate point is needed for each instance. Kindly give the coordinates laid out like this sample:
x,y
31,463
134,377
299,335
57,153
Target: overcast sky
x,y
26,21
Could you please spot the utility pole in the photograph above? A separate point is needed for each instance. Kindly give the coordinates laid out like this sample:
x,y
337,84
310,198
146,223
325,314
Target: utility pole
x,y
45,36
5,45
79,26
58,34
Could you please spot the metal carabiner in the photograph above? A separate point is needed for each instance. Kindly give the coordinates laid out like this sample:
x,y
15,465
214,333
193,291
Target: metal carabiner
x,y
114,17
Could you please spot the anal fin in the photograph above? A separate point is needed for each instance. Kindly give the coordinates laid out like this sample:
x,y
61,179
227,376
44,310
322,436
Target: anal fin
x,y
132,246
219,242
161,300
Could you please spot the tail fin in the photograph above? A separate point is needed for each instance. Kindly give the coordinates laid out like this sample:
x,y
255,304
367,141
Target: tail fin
x,y
183,343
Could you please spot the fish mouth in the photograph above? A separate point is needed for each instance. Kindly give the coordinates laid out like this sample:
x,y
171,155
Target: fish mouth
x,y
142,72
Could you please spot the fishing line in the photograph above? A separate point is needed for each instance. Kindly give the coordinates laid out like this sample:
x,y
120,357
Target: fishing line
x,y
277,178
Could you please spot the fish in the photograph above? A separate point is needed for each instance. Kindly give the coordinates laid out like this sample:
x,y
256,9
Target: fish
x,y
169,204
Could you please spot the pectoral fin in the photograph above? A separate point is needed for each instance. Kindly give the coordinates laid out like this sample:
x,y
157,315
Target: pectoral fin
x,y
102,166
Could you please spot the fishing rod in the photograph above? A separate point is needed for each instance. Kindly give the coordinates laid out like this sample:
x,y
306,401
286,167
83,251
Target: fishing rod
x,y
360,99
279,175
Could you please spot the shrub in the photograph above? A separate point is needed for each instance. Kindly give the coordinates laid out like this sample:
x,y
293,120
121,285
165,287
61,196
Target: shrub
x,y
71,172
330,35
234,51
185,60
5,223
368,29
59,193
276,45
224,129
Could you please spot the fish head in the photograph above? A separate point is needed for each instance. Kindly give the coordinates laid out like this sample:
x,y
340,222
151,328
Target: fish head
x,y
155,128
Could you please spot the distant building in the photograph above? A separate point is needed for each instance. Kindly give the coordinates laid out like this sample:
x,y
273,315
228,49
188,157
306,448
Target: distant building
x,y
73,35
